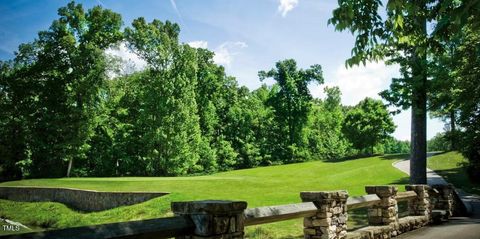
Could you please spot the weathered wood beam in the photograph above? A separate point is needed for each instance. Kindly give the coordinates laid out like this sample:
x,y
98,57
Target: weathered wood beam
x,y
405,196
362,201
261,215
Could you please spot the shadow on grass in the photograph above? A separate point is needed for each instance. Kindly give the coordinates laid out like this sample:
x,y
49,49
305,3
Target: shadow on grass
x,y
347,158
404,180
362,156
395,156
407,156
459,178
429,154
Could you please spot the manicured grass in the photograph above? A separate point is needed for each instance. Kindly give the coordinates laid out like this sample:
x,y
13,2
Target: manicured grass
x,y
263,186
450,166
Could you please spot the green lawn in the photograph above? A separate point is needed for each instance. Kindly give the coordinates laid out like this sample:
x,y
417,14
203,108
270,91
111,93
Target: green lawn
x,y
259,187
450,166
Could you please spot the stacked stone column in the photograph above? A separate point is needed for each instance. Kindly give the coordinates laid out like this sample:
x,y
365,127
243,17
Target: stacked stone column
x,y
384,213
213,219
442,198
420,206
330,221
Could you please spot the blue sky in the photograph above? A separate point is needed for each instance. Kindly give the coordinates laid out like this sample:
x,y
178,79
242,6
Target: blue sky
x,y
247,36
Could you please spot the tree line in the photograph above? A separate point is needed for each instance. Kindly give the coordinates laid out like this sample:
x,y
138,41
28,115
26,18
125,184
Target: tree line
x,y
69,108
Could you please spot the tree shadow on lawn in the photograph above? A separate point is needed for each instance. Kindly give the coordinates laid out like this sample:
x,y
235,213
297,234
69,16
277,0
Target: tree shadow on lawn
x,y
407,156
459,178
395,157
386,157
401,181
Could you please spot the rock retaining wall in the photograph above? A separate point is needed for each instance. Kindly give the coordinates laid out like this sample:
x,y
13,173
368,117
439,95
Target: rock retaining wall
x,y
442,197
330,221
84,200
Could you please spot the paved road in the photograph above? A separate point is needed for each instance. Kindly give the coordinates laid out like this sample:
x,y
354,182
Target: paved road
x,y
456,227
432,177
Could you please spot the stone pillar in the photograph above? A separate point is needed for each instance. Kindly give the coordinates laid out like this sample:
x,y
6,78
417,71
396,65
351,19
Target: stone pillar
x,y
384,213
420,206
442,198
330,221
213,219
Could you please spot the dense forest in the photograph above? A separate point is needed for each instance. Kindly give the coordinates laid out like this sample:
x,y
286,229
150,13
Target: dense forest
x,y
70,109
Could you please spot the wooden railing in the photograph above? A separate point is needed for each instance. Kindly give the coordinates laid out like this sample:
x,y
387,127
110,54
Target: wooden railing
x,y
210,219
262,215
406,196
269,214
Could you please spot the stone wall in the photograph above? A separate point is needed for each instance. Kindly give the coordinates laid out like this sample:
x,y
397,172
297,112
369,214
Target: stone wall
x,y
330,221
420,206
384,213
442,198
213,219
84,200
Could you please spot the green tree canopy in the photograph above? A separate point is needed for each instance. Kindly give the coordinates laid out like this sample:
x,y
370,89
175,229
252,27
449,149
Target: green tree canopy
x,y
292,101
368,124
169,109
63,69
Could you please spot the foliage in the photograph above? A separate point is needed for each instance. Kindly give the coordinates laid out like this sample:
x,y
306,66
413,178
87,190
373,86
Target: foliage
x,y
393,145
438,143
252,128
291,102
56,80
468,85
455,85
368,124
324,135
400,36
69,108
168,106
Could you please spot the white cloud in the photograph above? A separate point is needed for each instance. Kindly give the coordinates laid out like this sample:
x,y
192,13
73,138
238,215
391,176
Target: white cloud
x,y
367,81
286,6
225,53
359,82
131,62
198,44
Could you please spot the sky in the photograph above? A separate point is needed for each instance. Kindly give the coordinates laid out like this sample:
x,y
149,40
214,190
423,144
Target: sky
x,y
246,35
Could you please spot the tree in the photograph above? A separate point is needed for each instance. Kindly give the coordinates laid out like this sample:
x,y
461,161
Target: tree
x,y
455,63
64,69
168,106
215,94
368,124
395,146
324,128
438,143
292,101
442,95
14,106
467,72
402,38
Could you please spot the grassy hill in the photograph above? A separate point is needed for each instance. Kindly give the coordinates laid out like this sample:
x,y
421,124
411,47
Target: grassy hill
x,y
262,186
451,166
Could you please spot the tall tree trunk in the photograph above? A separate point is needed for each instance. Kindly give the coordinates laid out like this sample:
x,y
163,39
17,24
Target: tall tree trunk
x,y
453,131
418,156
70,162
